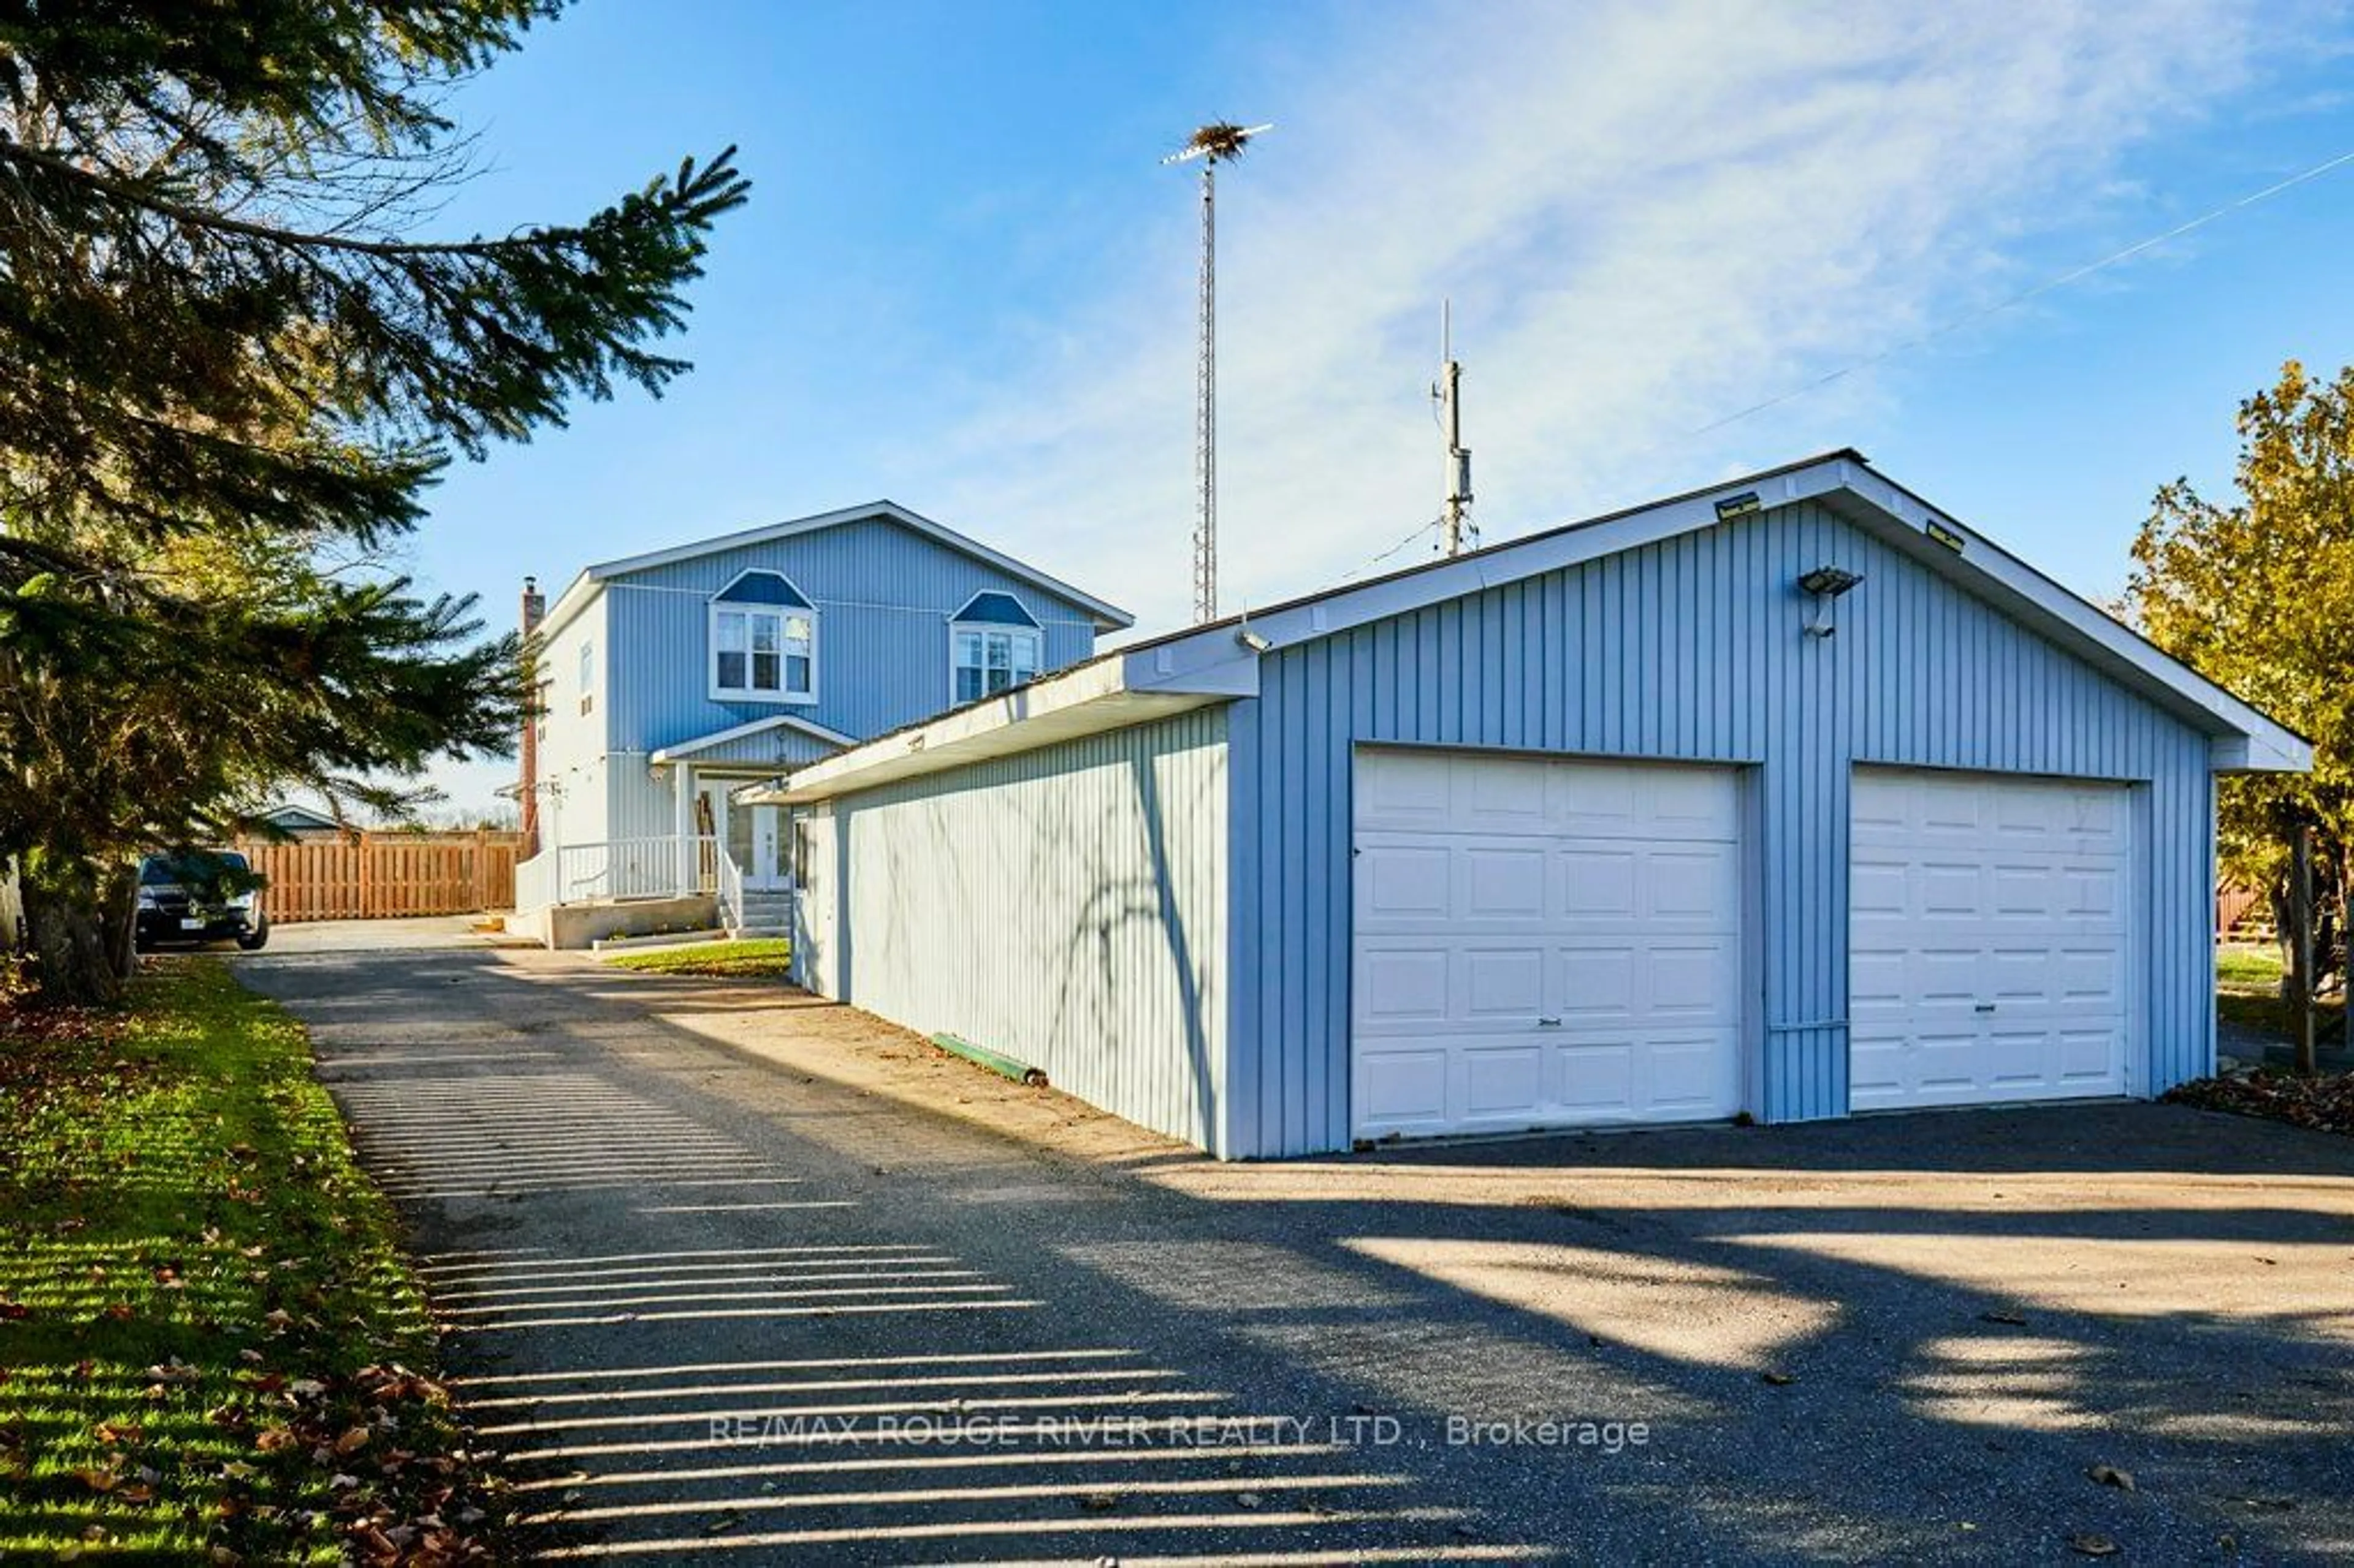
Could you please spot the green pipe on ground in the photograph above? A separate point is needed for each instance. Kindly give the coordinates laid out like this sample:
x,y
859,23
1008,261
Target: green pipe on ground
x,y
996,1062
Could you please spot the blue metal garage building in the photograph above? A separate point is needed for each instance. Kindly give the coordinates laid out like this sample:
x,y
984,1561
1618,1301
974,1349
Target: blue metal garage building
x,y
1794,796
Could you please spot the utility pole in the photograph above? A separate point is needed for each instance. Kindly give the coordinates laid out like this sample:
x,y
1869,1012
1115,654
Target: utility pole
x,y
1460,531
1216,143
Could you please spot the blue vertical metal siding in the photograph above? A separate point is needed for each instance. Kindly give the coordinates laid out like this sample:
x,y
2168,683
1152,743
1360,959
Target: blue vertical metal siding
x,y
1065,906
884,595
1692,648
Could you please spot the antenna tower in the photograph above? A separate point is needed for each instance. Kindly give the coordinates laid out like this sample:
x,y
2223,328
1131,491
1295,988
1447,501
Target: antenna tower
x,y
1460,532
1212,144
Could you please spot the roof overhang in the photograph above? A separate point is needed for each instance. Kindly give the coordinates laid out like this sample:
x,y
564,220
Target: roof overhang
x,y
1219,661
687,750
1086,699
1108,617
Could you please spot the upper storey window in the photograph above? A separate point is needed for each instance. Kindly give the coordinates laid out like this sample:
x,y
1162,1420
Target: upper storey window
x,y
763,641
994,645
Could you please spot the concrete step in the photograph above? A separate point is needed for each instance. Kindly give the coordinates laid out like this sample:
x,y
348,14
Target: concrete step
x,y
758,933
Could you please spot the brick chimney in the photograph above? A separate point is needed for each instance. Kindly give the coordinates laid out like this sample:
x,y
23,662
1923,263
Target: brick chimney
x,y
535,610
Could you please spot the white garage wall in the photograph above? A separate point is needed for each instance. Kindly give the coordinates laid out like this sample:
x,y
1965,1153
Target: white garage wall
x,y
1067,906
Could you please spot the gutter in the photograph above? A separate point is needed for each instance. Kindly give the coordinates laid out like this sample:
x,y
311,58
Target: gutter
x,y
1111,692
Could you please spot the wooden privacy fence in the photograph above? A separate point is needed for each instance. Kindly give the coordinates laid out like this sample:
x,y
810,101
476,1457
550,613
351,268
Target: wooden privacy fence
x,y
373,876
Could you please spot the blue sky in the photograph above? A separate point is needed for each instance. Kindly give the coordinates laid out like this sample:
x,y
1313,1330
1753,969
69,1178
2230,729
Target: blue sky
x,y
963,282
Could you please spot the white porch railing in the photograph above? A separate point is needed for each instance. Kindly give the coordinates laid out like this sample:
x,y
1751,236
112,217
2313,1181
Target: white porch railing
x,y
731,889
664,867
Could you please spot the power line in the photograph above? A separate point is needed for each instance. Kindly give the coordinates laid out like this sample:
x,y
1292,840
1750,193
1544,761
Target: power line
x,y
2074,274
1393,549
2059,281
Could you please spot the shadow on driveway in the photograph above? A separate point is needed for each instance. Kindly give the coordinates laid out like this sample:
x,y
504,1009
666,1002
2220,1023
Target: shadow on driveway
x,y
678,1229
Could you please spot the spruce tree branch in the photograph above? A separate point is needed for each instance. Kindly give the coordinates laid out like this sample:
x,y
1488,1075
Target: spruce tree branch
x,y
125,191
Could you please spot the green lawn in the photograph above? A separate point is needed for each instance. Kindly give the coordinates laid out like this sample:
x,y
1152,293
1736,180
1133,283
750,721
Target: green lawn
x,y
2248,967
729,960
2247,993
210,1348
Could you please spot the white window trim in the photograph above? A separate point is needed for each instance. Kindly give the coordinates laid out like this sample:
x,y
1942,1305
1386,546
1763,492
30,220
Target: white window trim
x,y
1035,631
719,604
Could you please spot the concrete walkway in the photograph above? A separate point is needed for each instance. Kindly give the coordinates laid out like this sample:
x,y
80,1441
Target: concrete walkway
x,y
737,1276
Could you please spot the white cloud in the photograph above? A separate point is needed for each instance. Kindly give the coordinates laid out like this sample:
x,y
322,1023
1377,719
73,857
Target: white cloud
x,y
1647,215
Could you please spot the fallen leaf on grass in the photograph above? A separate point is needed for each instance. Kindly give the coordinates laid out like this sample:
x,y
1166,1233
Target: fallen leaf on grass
x,y
98,1480
270,1439
351,1441
2110,1475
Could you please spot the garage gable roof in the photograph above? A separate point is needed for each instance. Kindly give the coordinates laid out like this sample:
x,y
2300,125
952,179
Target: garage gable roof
x,y
1219,662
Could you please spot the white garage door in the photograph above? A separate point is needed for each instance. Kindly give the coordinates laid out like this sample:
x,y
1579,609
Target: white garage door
x,y
1543,943
1987,939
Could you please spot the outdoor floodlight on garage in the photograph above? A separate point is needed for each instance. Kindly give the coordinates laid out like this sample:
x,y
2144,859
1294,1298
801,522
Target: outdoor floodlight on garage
x,y
1823,587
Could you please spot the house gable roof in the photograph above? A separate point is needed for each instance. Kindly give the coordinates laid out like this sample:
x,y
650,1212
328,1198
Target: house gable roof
x,y
1108,617
1220,661
687,750
295,819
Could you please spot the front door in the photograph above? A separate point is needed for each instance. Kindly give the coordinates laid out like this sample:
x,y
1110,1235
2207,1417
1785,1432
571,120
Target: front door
x,y
767,871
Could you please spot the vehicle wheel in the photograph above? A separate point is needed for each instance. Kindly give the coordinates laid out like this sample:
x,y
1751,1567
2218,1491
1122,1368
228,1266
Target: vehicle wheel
x,y
255,940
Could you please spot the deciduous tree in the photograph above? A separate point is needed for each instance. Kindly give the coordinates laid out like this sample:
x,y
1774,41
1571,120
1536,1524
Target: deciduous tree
x,y
2258,596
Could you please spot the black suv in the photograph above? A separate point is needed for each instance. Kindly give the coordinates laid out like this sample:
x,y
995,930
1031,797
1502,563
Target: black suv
x,y
199,895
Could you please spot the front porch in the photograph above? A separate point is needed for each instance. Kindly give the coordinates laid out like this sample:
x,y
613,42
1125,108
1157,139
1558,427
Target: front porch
x,y
571,895
723,865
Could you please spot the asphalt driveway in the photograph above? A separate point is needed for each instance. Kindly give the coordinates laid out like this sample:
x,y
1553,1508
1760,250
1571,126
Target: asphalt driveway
x,y
733,1276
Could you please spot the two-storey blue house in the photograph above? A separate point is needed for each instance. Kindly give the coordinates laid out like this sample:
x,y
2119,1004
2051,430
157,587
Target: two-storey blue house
x,y
669,681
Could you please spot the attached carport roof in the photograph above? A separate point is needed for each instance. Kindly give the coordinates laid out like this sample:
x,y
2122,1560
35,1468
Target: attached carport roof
x,y
1219,661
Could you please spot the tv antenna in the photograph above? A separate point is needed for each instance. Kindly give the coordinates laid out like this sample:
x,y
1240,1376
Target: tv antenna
x,y
1218,142
1459,532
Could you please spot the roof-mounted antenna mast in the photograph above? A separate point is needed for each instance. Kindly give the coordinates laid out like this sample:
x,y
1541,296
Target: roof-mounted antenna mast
x,y
1216,144
1460,533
